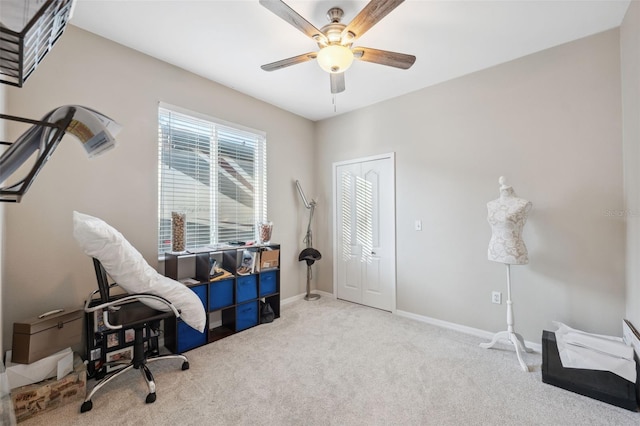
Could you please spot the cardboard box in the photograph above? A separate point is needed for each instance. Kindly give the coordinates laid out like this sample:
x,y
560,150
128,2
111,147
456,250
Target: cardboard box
x,y
57,365
6,406
32,400
41,336
269,259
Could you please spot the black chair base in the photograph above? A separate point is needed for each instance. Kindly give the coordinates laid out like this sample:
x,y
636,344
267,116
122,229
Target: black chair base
x,y
87,405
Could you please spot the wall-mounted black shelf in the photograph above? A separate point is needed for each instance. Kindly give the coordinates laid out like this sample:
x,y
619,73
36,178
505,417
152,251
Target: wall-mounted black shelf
x,y
22,51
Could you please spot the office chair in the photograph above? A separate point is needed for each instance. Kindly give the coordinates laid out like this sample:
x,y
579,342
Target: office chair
x,y
125,312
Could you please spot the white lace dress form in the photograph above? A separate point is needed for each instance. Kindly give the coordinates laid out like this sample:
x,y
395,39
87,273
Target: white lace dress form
x,y
507,216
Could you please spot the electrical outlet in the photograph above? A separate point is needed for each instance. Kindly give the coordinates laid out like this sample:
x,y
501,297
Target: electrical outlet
x,y
496,297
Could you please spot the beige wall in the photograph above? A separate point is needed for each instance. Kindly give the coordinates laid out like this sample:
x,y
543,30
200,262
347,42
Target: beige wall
x,y
549,122
630,68
44,268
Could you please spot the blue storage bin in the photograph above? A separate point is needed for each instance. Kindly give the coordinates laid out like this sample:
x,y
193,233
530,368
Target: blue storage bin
x,y
246,315
267,283
201,292
246,288
189,338
220,294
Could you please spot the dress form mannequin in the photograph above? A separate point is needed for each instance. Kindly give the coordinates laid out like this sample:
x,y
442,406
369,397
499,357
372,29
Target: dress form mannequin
x,y
507,216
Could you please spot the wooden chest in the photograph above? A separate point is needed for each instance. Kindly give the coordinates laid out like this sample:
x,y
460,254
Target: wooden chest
x,y
38,337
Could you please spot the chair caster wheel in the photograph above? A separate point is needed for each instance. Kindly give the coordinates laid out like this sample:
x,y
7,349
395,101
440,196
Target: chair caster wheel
x,y
185,365
151,398
86,406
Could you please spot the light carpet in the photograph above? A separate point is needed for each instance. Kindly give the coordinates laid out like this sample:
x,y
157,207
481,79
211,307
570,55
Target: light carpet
x,y
329,362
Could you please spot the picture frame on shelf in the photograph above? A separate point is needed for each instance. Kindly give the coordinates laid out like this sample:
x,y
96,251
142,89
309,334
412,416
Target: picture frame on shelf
x,y
124,355
97,365
98,322
129,335
113,340
95,354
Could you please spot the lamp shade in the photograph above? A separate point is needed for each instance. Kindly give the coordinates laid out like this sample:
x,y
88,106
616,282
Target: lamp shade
x,y
335,58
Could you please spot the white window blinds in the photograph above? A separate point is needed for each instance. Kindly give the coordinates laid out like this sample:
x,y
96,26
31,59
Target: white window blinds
x,y
215,173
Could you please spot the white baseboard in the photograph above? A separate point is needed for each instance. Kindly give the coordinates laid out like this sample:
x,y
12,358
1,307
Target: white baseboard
x,y
461,328
440,323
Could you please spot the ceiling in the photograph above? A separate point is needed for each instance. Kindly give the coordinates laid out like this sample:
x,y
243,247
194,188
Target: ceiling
x,y
227,41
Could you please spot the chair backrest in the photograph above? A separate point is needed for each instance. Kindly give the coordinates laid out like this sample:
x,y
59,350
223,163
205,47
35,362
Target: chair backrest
x,y
103,281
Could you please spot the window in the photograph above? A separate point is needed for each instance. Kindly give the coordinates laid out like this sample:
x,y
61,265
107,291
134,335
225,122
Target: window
x,y
213,172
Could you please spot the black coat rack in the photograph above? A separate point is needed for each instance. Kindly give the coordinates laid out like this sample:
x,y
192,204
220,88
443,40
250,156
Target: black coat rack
x,y
18,152
21,52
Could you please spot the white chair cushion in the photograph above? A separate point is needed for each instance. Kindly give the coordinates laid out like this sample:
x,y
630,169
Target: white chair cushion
x,y
129,269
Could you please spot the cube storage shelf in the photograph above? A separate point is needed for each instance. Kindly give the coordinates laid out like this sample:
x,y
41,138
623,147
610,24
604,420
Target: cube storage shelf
x,y
236,297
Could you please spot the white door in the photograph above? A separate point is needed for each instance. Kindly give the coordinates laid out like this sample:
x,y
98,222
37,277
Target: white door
x,y
364,257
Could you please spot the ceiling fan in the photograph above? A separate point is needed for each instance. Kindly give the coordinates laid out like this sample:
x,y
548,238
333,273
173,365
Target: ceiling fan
x,y
335,40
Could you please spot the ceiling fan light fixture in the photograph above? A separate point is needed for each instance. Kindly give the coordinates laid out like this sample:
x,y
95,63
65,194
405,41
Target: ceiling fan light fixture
x,y
335,58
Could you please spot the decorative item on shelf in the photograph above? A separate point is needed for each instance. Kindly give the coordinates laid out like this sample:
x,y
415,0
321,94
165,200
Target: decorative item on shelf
x,y
178,231
248,264
220,274
216,272
265,229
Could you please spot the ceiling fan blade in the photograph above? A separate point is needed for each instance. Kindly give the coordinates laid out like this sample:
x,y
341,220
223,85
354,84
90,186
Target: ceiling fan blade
x,y
373,12
285,12
337,82
289,61
384,57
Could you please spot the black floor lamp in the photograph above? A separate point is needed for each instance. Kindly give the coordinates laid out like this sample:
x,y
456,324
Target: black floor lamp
x,y
309,254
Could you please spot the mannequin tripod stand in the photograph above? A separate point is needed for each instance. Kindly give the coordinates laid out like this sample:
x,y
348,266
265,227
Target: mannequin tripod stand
x,y
511,336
